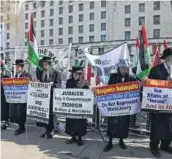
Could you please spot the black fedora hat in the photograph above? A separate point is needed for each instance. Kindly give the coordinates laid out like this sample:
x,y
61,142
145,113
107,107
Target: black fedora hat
x,y
19,62
76,69
167,52
46,59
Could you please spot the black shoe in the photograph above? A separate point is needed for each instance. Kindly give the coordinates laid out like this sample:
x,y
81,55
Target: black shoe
x,y
19,131
79,142
155,152
108,147
49,136
122,144
72,140
168,149
4,127
43,135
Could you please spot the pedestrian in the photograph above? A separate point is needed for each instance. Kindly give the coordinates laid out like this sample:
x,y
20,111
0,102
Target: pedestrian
x,y
18,110
161,123
76,128
118,126
48,75
4,104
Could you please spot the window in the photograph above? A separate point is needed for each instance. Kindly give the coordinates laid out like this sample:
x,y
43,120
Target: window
x,y
42,23
34,23
42,13
1,18
51,12
141,7
25,43
70,40
8,26
26,35
91,16
156,33
103,26
156,5
42,3
91,5
81,29
103,4
7,45
26,7
81,17
81,7
42,42
103,15
103,37
51,22
70,30
140,34
101,51
70,19
60,41
127,9
42,33
50,32
51,41
60,31
127,35
34,5
26,25
80,39
8,17
60,20
70,9
91,38
8,35
60,10
156,19
141,20
34,14
51,3
26,16
60,2
91,27
127,22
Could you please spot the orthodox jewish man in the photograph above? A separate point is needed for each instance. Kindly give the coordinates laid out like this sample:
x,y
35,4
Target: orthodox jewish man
x,y
48,75
4,104
18,111
76,128
118,126
161,123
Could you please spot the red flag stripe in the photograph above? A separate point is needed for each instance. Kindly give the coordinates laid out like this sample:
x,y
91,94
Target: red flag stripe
x,y
165,44
138,43
31,29
157,59
145,38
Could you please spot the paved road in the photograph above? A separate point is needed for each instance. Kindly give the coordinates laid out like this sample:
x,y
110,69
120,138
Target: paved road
x,y
30,146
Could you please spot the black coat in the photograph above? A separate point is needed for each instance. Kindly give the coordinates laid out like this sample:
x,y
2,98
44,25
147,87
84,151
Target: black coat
x,y
118,126
18,111
76,127
161,123
4,104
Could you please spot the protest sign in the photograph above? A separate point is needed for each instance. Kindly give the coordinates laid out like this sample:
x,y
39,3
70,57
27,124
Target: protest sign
x,y
73,103
118,99
157,96
38,103
15,89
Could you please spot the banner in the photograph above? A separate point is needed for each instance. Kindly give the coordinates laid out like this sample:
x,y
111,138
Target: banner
x,y
118,99
15,89
73,103
104,64
157,96
38,103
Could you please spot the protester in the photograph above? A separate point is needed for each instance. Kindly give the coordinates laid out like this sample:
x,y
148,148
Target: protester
x,y
161,126
18,111
76,127
4,104
48,75
118,126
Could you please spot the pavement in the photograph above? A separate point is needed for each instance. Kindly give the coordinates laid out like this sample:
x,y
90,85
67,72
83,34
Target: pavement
x,y
30,146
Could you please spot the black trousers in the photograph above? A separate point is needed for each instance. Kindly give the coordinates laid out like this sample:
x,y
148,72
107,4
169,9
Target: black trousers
x,y
22,125
164,143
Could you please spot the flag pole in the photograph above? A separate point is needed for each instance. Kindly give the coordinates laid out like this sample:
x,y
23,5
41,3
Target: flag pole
x,y
69,56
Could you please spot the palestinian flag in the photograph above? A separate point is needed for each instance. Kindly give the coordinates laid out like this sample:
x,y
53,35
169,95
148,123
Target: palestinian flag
x,y
32,45
144,60
157,59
